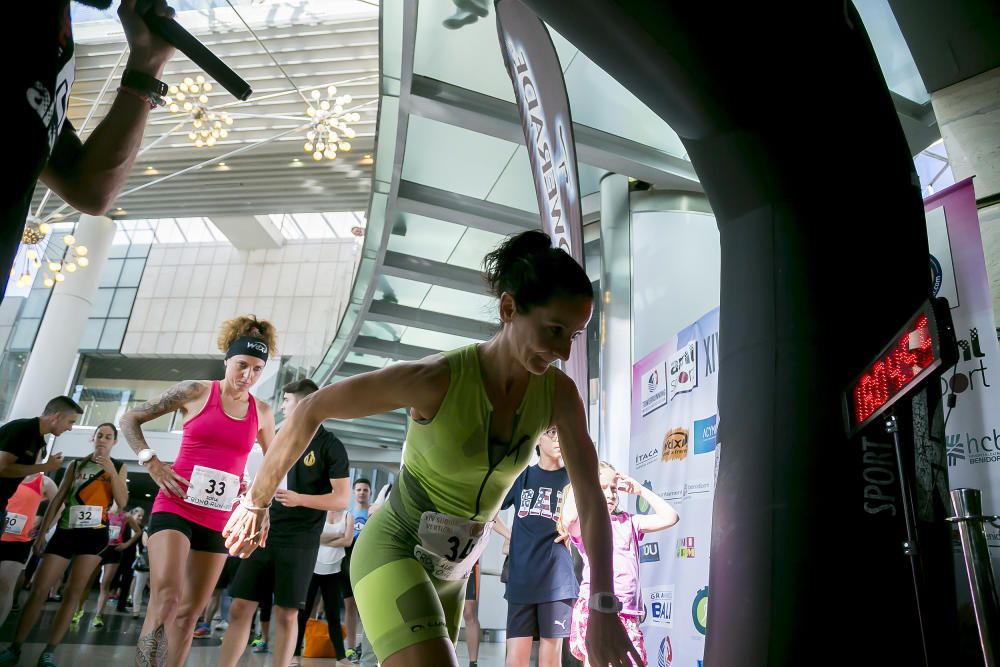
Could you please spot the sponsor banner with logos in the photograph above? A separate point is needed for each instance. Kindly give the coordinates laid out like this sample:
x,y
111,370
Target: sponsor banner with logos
x,y
958,272
673,452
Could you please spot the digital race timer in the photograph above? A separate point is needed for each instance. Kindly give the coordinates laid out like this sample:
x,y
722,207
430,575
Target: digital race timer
x,y
926,345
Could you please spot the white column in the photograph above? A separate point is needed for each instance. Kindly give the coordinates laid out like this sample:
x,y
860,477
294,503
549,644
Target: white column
x,y
54,354
616,321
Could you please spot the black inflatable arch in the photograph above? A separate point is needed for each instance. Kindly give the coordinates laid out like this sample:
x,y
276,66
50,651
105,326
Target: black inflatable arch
x,y
786,118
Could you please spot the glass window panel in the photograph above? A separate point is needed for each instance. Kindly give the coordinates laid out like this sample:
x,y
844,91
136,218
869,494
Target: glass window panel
x,y
143,236
121,305
91,335
131,272
24,334
313,226
167,231
114,331
102,301
121,239
434,340
139,250
118,248
214,231
286,225
194,229
109,276
35,306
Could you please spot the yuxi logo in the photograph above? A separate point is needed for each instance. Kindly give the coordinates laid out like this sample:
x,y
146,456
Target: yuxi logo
x,y
705,431
675,444
641,504
666,652
661,606
685,547
649,552
699,611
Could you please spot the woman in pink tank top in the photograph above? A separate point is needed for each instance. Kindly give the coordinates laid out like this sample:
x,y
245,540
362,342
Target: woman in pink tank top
x,y
197,492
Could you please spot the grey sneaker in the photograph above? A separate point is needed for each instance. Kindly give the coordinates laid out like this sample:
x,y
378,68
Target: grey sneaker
x,y
46,659
9,658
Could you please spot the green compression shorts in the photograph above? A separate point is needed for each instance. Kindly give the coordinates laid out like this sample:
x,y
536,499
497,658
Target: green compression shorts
x,y
399,603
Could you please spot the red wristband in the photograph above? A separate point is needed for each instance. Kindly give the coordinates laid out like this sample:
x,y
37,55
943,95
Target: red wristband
x,y
135,93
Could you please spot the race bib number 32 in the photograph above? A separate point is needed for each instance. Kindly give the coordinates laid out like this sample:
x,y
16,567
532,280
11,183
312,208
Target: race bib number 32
x,y
85,516
449,545
213,489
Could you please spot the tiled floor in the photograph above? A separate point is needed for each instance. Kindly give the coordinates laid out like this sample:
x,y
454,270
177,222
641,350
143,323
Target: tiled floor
x,y
114,644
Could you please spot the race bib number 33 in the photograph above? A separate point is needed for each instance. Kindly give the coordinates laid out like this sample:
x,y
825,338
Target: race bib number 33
x,y
213,489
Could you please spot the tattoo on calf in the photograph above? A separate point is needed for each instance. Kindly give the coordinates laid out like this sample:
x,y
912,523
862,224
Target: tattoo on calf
x,y
152,649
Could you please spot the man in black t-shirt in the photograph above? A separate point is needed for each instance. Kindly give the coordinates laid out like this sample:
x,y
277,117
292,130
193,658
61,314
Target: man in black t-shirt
x,y
88,175
22,439
318,482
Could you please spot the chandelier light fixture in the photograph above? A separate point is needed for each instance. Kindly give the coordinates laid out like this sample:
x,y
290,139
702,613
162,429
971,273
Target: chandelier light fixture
x,y
58,260
207,126
330,130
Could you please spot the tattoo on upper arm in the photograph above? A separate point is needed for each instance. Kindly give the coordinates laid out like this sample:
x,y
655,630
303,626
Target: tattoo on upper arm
x,y
171,400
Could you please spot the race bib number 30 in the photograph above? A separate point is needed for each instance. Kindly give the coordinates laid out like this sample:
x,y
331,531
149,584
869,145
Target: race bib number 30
x,y
213,489
449,545
15,523
85,516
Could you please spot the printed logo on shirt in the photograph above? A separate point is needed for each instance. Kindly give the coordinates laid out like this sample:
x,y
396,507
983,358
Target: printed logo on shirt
x,y
310,459
699,611
675,445
661,606
540,506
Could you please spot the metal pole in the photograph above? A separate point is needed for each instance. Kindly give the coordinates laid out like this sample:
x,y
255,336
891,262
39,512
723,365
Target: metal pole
x,y
910,544
967,505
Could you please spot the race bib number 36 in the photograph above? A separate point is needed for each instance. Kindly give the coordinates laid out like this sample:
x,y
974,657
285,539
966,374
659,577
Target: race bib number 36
x,y
213,489
85,516
449,545
15,523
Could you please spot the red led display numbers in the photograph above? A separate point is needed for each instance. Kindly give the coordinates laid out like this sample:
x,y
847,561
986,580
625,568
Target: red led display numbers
x,y
913,354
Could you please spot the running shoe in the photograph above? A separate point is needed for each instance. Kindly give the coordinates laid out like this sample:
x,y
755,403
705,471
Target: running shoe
x,y
46,659
202,630
8,657
260,648
77,615
98,622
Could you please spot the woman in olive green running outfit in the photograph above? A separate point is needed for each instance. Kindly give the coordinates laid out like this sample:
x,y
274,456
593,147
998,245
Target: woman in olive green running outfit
x,y
475,414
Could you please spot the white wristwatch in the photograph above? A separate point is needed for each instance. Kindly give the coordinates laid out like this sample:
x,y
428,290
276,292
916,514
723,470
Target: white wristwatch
x,y
605,603
145,455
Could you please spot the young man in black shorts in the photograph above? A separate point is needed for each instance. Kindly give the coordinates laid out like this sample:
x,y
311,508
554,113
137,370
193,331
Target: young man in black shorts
x,y
318,482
